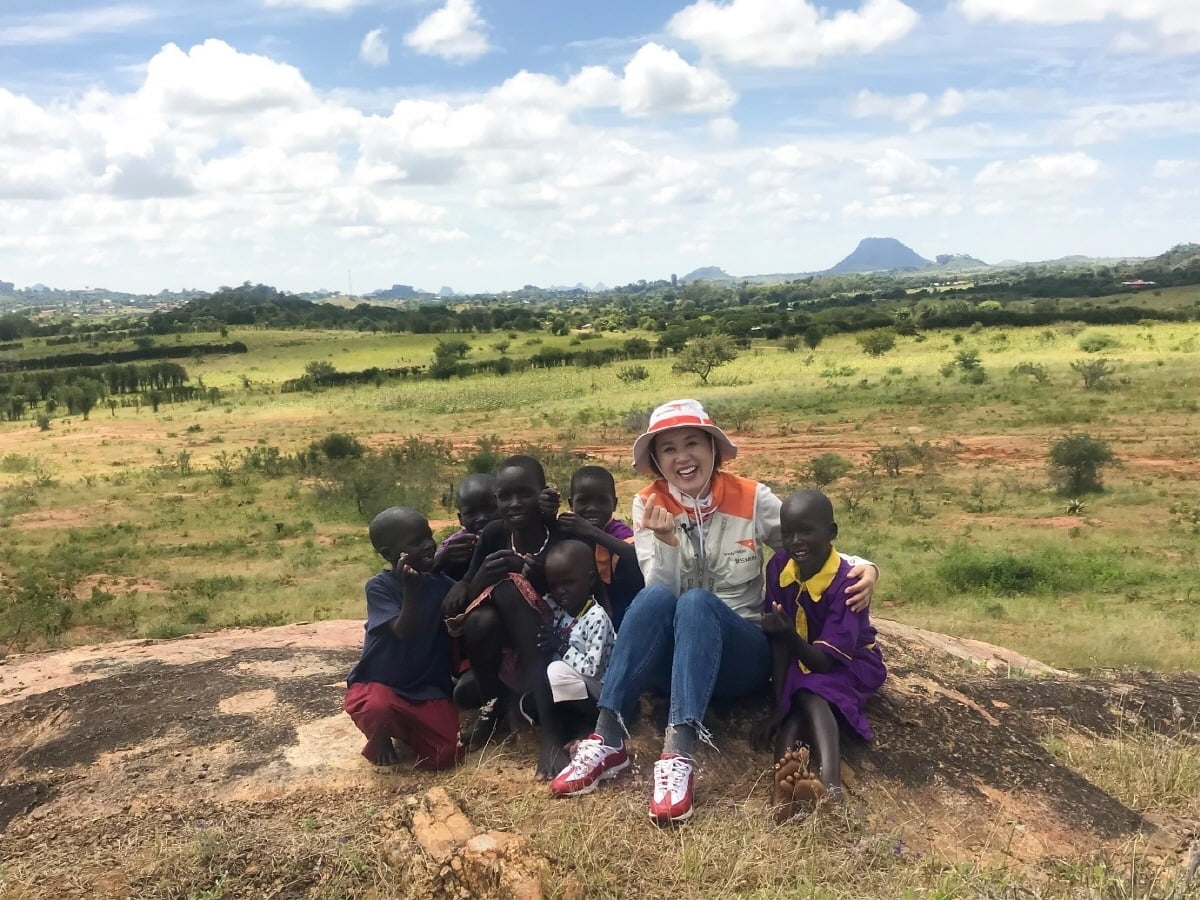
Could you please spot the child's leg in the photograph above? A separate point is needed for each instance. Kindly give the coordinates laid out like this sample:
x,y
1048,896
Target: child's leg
x,y
522,624
432,732
484,638
797,789
826,741
379,714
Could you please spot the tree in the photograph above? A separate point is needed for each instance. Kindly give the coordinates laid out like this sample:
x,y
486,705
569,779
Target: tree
x,y
704,354
813,335
320,371
877,342
1075,464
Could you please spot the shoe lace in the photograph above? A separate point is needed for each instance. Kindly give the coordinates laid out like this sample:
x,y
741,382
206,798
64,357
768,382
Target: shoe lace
x,y
588,755
671,775
488,709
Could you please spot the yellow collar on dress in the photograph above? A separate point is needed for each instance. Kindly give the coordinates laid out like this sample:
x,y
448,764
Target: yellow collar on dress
x,y
819,583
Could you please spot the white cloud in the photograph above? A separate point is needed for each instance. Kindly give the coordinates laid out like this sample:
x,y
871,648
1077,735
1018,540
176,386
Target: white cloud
x,y
897,167
374,49
1047,169
61,27
789,33
891,206
658,80
1176,168
723,129
1175,21
918,111
456,32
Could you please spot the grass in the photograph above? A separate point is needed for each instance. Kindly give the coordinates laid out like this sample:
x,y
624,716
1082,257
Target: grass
x,y
167,514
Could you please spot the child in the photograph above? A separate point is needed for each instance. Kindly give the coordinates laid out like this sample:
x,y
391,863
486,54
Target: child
x,y
826,664
579,639
501,623
400,689
593,499
475,501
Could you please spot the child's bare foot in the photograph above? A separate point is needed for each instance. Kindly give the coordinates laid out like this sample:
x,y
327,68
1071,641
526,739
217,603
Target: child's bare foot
x,y
797,788
386,754
552,758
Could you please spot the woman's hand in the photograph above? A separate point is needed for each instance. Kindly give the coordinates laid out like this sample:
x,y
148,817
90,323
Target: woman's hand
x,y
660,521
861,587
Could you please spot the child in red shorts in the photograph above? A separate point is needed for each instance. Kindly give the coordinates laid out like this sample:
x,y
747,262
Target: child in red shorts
x,y
399,693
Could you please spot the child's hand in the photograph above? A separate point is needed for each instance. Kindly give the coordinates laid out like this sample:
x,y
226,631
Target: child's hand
x,y
550,640
402,568
575,524
776,621
456,553
455,600
658,520
861,587
549,501
497,565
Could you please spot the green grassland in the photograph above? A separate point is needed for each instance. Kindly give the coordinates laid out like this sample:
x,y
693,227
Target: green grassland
x,y
136,523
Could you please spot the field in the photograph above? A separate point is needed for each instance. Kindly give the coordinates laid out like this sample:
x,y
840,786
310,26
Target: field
x,y
206,515
143,514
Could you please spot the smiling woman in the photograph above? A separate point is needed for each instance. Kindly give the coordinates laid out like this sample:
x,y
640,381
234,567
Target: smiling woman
x,y
695,630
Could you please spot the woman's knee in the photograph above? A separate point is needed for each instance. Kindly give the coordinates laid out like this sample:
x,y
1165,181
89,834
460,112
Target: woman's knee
x,y
697,603
651,603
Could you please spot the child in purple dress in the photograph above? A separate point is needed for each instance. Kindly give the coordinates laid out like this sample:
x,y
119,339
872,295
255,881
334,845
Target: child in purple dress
x,y
825,661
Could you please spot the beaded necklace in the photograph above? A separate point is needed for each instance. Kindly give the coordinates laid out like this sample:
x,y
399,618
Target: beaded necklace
x,y
512,542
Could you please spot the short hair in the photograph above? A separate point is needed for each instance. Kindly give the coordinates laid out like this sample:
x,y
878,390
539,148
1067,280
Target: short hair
x,y
528,463
570,546
384,526
483,481
599,473
817,500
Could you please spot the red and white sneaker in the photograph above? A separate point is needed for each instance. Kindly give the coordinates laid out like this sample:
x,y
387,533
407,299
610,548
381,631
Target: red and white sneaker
x,y
672,801
593,762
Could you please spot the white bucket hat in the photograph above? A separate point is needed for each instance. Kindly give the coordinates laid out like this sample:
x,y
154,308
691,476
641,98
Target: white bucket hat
x,y
678,414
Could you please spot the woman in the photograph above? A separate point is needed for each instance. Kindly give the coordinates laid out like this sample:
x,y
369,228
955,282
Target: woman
x,y
695,630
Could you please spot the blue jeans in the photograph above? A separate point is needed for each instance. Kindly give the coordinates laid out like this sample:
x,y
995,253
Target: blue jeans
x,y
693,645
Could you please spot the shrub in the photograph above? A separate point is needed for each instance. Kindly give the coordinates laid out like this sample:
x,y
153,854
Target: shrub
x,y
1036,371
1095,341
336,445
827,468
813,335
630,374
1094,372
1075,464
43,422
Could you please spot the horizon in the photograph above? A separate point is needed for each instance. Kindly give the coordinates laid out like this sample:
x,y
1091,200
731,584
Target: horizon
x,y
489,145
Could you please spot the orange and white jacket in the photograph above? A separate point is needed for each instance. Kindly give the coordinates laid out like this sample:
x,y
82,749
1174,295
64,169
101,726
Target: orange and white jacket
x,y
723,555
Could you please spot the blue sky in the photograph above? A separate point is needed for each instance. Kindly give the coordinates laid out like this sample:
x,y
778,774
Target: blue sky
x,y
485,145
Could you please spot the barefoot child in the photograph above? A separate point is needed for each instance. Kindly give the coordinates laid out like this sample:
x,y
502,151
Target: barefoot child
x,y
399,693
825,662
579,640
475,501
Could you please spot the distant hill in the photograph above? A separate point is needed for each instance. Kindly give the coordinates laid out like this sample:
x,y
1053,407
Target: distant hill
x,y
708,273
879,255
1178,257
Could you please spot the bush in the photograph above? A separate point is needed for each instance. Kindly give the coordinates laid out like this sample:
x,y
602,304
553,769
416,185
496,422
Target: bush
x,y
630,374
336,445
33,609
1095,341
1075,464
1094,372
43,422
827,468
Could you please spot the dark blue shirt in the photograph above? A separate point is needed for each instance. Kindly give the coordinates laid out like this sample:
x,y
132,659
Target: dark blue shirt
x,y
417,668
